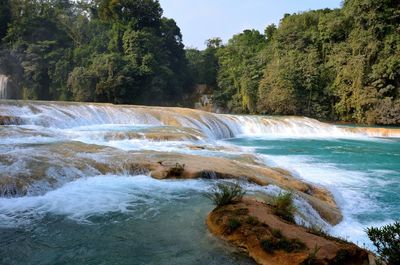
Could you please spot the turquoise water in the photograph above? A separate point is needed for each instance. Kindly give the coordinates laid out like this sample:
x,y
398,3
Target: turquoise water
x,y
113,220
364,175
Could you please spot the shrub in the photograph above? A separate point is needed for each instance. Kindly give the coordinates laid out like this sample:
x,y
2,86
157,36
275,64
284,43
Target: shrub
x,y
268,245
277,233
289,245
233,224
251,220
283,206
387,242
226,193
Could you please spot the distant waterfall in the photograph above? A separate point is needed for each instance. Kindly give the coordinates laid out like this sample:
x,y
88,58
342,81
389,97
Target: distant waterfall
x,y
215,126
3,86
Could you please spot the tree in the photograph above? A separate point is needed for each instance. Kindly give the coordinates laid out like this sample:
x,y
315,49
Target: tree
x,y
240,71
386,239
5,17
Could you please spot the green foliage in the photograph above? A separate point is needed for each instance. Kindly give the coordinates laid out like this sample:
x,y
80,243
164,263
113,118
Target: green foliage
x,y
233,224
386,239
203,65
239,72
276,233
119,51
268,245
5,17
272,244
283,206
317,230
226,193
340,64
251,220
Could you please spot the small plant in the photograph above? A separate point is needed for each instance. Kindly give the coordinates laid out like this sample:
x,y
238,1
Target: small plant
x,y
226,193
312,257
283,206
277,233
251,220
387,242
318,230
289,245
269,245
233,224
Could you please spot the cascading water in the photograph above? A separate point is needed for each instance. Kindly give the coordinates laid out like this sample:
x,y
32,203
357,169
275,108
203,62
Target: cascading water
x,y
3,87
214,126
55,154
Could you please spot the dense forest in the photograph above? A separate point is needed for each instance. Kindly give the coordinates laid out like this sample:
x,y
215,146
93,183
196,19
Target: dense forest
x,y
341,64
119,51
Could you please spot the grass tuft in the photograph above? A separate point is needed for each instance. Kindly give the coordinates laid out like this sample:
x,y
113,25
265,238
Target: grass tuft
x,y
226,193
289,245
283,206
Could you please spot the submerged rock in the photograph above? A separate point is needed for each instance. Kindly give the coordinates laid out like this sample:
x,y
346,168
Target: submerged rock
x,y
10,120
252,227
11,187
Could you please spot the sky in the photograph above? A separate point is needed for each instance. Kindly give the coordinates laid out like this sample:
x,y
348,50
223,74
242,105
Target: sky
x,y
200,20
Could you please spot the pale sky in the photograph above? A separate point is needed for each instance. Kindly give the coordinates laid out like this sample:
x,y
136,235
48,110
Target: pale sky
x,y
200,20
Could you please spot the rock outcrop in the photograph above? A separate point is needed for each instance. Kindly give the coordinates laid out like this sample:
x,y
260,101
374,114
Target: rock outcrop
x,y
252,227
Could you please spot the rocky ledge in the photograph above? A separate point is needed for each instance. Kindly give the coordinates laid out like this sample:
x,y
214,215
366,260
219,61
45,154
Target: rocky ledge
x,y
251,226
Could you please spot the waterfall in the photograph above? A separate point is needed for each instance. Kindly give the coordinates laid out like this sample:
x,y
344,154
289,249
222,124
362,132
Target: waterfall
x,y
3,86
64,115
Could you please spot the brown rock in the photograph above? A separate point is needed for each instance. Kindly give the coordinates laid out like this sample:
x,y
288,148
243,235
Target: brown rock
x,y
288,244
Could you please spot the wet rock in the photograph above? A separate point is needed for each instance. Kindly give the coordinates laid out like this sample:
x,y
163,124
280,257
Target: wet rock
x,y
11,187
10,120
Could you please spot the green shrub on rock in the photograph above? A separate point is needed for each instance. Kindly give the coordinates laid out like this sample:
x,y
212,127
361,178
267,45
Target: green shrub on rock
x,y
387,242
226,193
283,206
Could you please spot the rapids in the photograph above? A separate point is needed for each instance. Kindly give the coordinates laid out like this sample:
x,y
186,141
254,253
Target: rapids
x,y
63,161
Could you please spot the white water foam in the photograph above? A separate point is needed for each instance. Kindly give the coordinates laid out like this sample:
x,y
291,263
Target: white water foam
x,y
305,214
140,196
214,126
347,188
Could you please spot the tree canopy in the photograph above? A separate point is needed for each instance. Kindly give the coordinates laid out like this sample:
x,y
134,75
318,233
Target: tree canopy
x,y
119,51
341,64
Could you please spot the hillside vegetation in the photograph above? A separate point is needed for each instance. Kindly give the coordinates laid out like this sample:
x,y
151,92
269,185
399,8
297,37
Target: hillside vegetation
x,y
119,51
341,64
